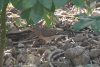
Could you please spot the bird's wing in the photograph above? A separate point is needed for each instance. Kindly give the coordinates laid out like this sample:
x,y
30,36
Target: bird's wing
x,y
48,32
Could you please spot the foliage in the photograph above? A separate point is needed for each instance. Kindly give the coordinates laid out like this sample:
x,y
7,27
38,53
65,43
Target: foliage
x,y
34,10
86,65
79,3
93,20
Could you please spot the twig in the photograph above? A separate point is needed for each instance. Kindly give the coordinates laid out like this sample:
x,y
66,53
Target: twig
x,y
54,52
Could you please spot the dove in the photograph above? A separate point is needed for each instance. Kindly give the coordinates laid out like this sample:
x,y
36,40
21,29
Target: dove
x,y
47,34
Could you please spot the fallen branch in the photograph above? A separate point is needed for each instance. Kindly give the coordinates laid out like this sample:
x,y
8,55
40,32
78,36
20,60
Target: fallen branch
x,y
53,53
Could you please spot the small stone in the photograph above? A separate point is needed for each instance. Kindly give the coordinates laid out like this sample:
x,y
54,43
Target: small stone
x,y
94,52
20,45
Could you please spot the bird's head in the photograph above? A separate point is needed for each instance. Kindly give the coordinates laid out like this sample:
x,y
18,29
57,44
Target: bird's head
x,y
32,28
35,28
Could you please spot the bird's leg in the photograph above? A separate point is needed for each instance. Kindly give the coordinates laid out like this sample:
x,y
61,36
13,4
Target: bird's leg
x,y
55,40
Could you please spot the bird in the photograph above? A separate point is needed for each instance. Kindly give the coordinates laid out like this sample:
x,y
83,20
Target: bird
x,y
47,34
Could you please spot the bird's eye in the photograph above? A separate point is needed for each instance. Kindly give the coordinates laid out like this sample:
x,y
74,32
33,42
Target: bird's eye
x,y
51,31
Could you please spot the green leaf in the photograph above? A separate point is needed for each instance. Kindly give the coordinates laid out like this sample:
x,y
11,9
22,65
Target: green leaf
x,y
89,10
6,30
53,7
88,66
46,3
93,20
26,15
47,18
25,5
95,16
80,66
1,4
30,2
82,24
36,12
17,4
50,10
17,21
81,15
95,27
79,3
59,3
87,14
23,25
96,24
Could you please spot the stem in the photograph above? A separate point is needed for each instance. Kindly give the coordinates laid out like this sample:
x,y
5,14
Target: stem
x,y
3,34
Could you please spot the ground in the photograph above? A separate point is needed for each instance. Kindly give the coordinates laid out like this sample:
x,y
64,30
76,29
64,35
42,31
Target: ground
x,y
72,49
